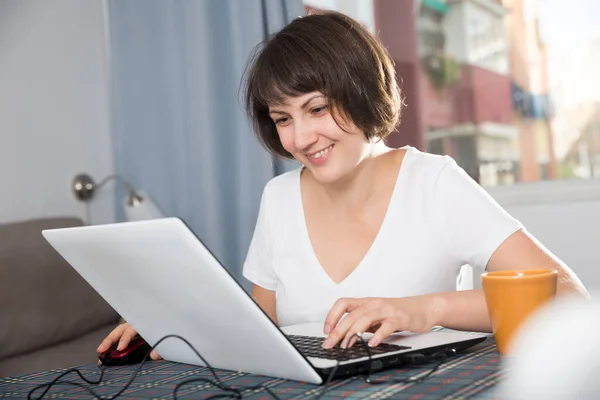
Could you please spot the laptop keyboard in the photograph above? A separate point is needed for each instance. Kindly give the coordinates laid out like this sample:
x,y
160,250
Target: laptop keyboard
x,y
311,346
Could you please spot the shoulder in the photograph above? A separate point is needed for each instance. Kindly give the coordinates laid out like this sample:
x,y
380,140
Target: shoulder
x,y
425,168
284,182
282,188
436,180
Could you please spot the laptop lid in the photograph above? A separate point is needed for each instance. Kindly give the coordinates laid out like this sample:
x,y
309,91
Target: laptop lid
x,y
162,279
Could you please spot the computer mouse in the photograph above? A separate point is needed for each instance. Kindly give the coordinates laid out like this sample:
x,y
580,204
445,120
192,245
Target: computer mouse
x,y
133,354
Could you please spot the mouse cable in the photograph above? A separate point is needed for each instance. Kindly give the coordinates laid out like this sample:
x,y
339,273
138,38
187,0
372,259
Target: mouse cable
x,y
413,359
233,392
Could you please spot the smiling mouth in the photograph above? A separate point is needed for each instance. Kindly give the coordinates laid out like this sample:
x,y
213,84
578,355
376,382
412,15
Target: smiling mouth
x,y
321,153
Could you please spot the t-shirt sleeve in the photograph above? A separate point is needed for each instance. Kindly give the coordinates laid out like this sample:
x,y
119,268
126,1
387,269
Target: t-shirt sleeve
x,y
475,225
258,266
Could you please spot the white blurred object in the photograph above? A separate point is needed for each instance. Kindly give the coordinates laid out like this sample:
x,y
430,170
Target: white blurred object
x,y
556,354
464,280
141,207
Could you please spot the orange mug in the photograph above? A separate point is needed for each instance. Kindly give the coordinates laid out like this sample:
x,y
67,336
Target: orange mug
x,y
512,296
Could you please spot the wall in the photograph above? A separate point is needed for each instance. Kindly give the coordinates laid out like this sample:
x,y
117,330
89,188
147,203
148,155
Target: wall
x,y
492,96
486,35
395,24
54,107
475,34
564,216
479,96
439,105
455,30
517,34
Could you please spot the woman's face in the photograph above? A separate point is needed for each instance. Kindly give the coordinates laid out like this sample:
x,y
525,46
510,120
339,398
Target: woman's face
x,y
308,131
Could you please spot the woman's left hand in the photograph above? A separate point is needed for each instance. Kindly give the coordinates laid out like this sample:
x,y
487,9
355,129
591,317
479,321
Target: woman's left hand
x,y
383,316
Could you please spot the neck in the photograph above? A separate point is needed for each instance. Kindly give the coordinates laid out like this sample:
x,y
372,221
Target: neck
x,y
355,189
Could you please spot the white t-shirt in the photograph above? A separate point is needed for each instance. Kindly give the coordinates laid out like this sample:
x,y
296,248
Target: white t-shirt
x,y
438,219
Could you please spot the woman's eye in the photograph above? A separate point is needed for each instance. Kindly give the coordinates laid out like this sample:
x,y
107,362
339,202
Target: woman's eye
x,y
280,121
318,110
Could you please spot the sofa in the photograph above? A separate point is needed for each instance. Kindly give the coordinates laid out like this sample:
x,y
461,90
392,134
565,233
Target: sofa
x,y
49,316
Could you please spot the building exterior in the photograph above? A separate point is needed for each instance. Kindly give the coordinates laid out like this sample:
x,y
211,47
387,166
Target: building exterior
x,y
395,24
360,10
469,117
532,111
474,81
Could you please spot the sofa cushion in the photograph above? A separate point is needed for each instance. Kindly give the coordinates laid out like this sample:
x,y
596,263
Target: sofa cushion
x,y
76,352
43,300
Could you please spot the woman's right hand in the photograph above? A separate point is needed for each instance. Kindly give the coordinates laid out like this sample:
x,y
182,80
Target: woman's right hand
x,y
123,334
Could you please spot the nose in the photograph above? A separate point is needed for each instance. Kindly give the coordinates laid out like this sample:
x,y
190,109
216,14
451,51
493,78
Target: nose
x,y
304,135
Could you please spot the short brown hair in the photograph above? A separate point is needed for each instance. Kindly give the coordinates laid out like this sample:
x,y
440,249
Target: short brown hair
x,y
330,53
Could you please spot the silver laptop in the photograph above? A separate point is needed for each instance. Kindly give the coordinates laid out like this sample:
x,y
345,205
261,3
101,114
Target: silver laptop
x,y
163,280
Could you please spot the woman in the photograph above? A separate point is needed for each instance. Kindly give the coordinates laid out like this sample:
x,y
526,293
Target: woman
x,y
362,231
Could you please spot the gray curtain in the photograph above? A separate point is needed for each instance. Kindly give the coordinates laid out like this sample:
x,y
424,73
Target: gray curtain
x,y
180,132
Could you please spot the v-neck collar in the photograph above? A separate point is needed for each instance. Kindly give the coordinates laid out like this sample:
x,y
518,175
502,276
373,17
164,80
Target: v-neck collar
x,y
389,215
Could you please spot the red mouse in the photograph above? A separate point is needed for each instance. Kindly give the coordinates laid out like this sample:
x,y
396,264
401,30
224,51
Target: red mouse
x,y
133,354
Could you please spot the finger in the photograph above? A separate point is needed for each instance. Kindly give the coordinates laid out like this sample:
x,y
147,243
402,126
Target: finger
x,y
341,330
355,338
385,330
155,356
112,338
340,307
127,336
360,325
373,328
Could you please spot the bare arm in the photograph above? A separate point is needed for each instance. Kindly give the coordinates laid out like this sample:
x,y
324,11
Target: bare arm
x,y
266,300
467,310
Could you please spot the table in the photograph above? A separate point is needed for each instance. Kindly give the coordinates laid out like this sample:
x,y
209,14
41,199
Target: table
x,y
471,374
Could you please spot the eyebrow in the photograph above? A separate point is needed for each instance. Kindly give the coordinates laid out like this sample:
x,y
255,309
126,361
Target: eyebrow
x,y
302,106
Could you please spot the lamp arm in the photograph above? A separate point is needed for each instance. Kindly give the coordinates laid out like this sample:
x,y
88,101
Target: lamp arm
x,y
127,185
137,206
84,187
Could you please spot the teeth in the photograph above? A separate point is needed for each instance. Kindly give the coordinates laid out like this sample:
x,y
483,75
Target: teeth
x,y
321,153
